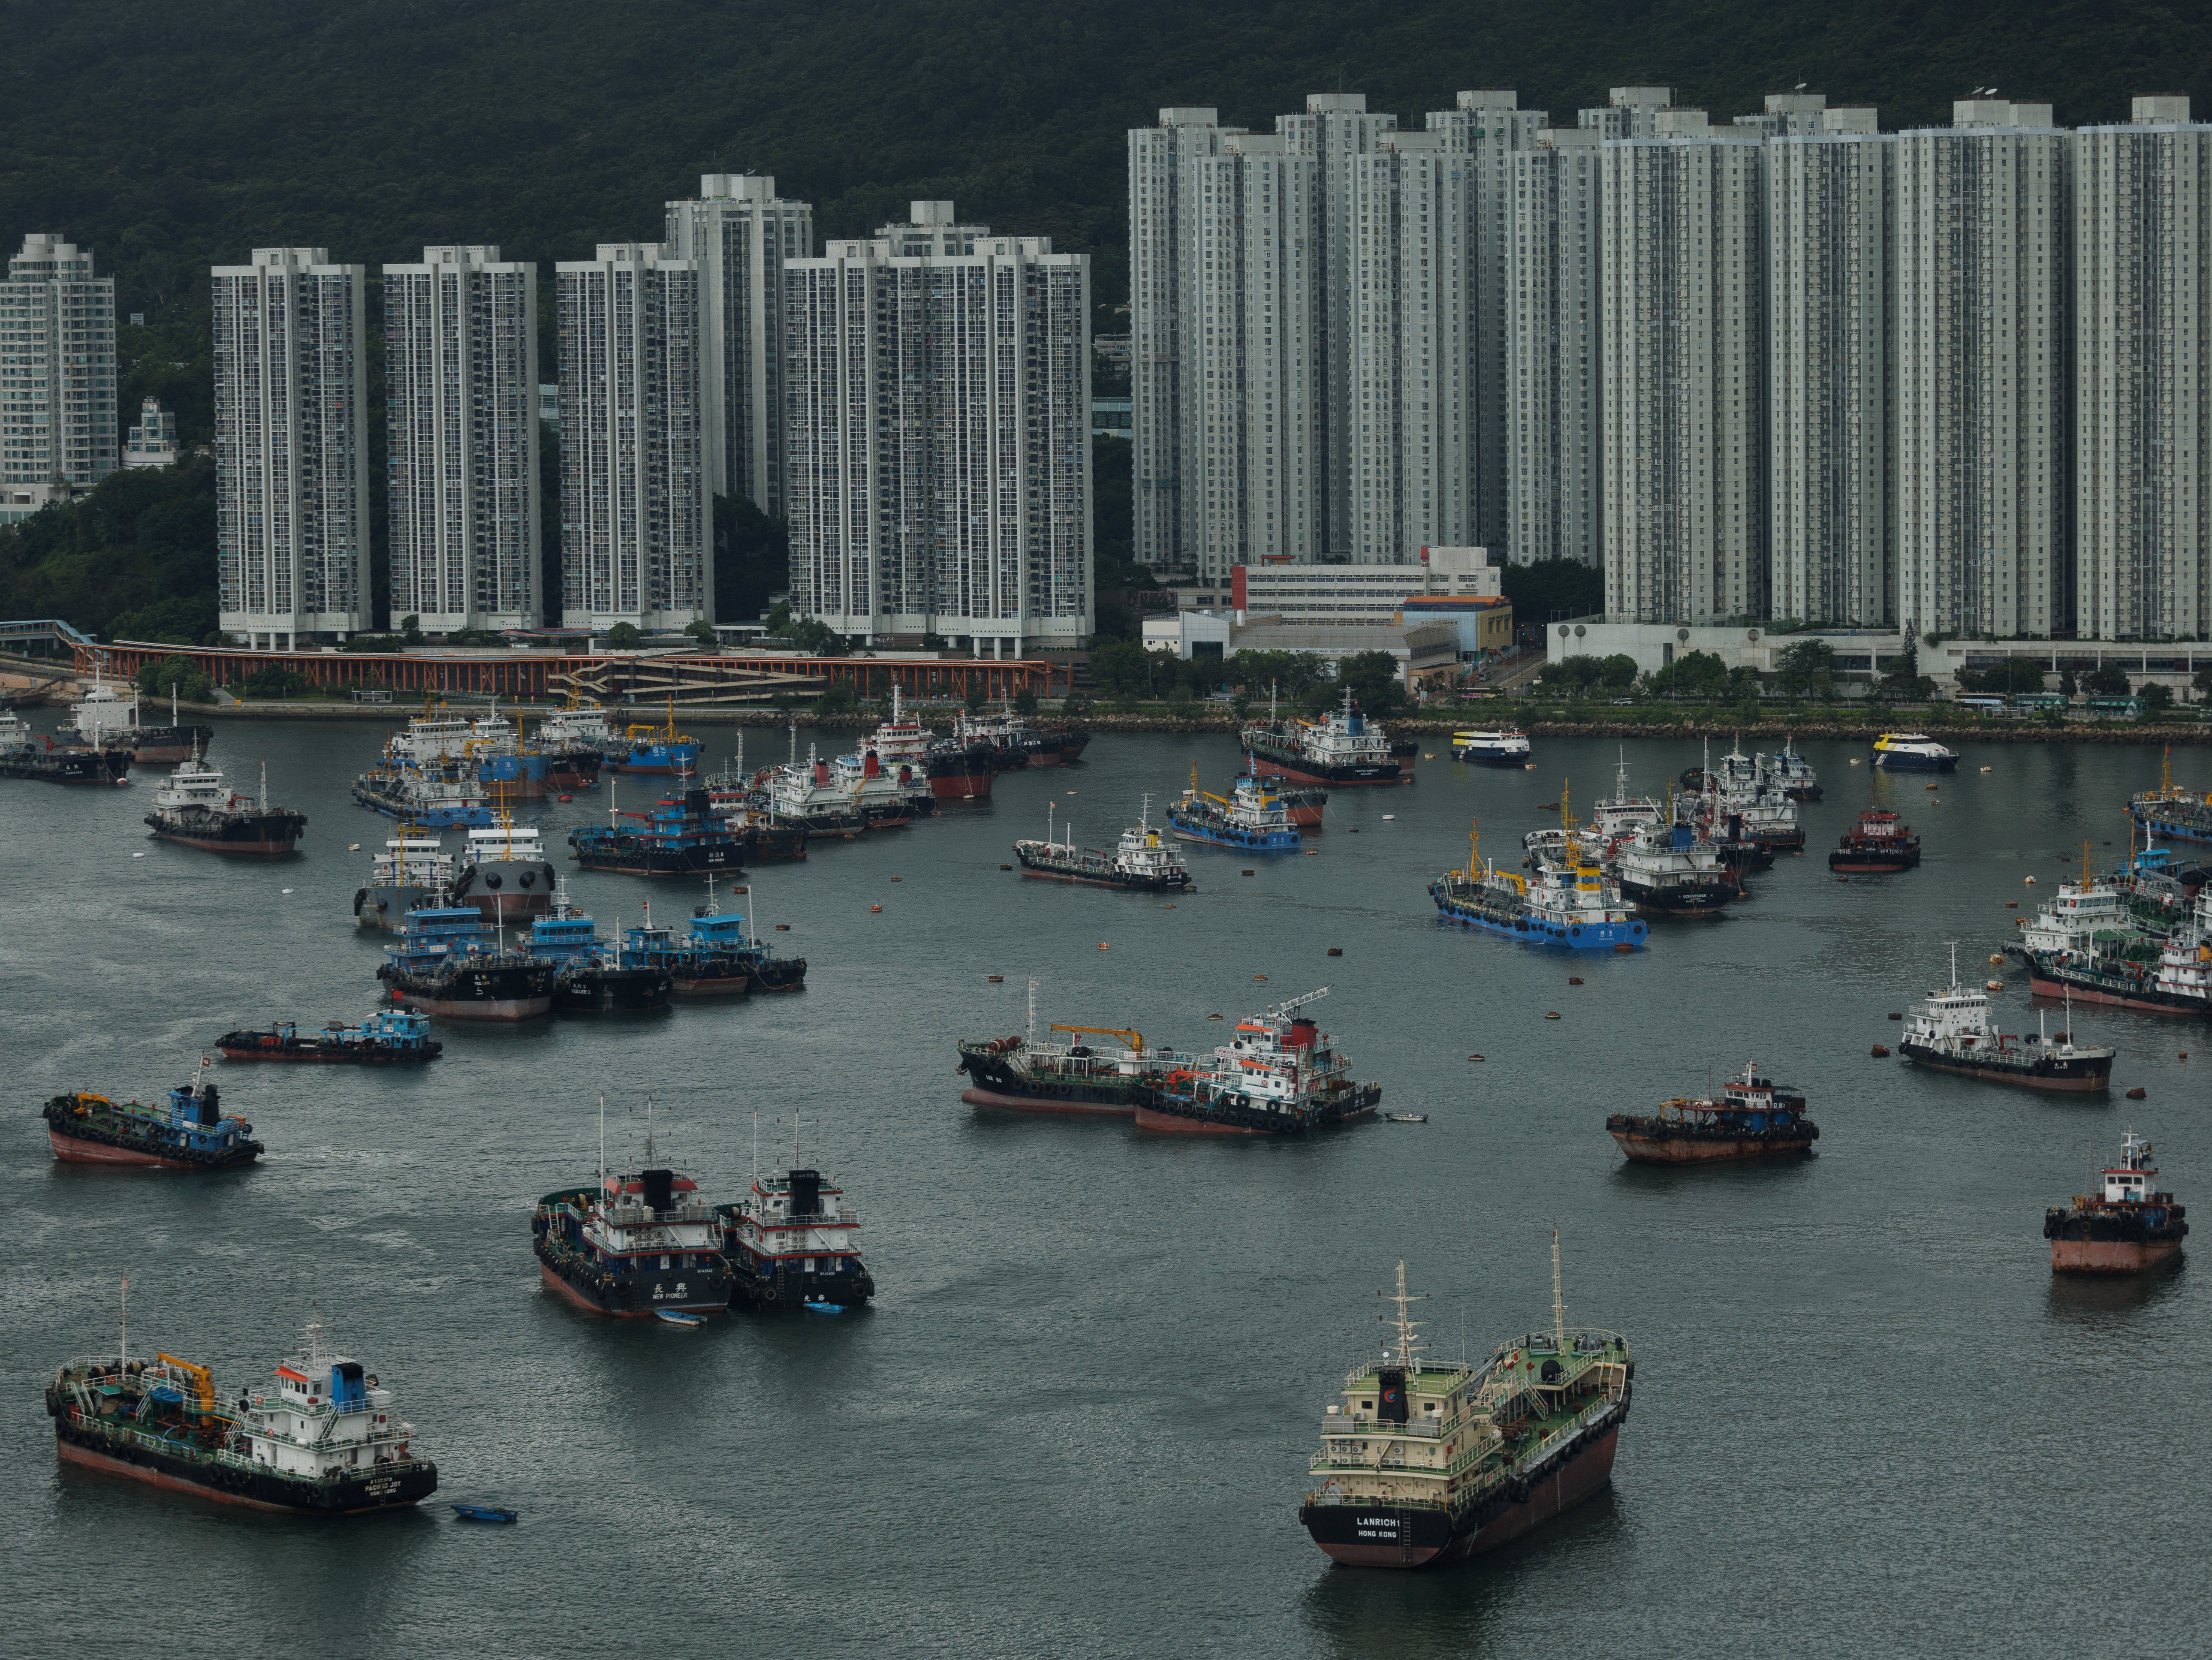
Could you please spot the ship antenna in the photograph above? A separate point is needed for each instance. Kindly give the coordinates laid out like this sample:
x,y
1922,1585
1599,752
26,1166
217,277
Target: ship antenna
x,y
264,791
126,1312
1473,842
1144,811
1558,1306
1033,986
648,1129
1408,1347
602,1144
1049,807
1954,965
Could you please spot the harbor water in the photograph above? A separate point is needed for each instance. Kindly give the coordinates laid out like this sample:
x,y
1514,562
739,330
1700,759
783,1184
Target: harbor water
x,y
1076,1421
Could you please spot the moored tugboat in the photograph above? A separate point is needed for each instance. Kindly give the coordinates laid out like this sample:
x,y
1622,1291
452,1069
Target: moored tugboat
x,y
791,1245
190,1132
387,1035
1342,748
447,963
1754,1118
194,807
1951,1032
2128,1227
1674,870
1878,844
632,1245
1251,819
1143,862
1281,1075
1427,1462
1791,773
325,1442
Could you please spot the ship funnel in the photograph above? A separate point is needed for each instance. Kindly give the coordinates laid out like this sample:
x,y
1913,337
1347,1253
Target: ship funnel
x,y
821,772
660,1188
806,1192
871,767
1390,1403
346,1388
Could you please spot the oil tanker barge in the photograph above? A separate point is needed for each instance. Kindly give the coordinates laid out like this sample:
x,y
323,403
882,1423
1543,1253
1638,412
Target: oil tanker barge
x,y
24,754
2125,1229
194,807
1951,1032
386,1038
1425,1462
189,1131
1281,1075
791,1244
1340,749
446,963
1142,863
1754,1118
323,1442
631,1245
1020,1075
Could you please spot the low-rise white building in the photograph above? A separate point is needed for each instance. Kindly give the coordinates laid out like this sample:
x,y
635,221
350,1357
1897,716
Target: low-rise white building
x,y
1428,653
152,441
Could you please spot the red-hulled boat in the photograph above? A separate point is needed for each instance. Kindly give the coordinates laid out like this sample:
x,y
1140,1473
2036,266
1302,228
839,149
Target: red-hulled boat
x,y
1881,843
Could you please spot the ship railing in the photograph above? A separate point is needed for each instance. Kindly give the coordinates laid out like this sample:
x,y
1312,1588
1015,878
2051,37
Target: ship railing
x,y
1428,1425
1566,1432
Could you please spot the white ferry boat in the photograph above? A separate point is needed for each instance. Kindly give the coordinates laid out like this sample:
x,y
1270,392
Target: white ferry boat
x,y
1500,746
1913,752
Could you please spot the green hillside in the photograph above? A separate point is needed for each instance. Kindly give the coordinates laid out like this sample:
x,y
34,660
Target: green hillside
x,y
172,136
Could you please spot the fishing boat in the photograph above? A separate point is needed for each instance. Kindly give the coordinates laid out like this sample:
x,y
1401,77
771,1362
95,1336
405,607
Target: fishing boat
x,y
631,1243
1754,1117
1142,863
413,871
386,1037
1879,844
188,1131
325,1441
1342,748
1250,819
1280,1075
1913,752
1492,746
448,963
196,809
792,1242
1951,1031
2126,1227
1425,1462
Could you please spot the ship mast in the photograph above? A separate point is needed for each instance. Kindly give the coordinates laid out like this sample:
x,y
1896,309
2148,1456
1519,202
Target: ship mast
x,y
602,1144
126,1317
1032,1038
1558,1306
1408,1346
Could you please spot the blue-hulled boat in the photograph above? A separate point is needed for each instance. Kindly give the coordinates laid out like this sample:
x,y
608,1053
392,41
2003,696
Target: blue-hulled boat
x,y
717,956
386,1036
448,961
485,1513
655,750
683,836
1255,820
1567,905
591,976
440,796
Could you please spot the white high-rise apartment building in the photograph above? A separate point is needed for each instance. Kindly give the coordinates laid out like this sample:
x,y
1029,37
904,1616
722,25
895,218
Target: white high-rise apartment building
x,y
1413,390
635,528
291,391
1830,183
1683,273
940,383
2142,290
1629,112
1251,383
1982,360
56,368
1489,128
1552,306
1335,129
738,233
1163,289
461,369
